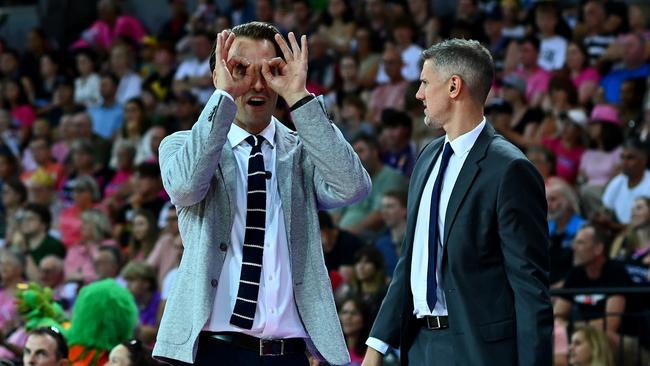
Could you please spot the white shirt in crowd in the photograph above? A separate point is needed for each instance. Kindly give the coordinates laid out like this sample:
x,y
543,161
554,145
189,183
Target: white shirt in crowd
x,y
552,53
619,198
192,68
86,90
130,86
411,57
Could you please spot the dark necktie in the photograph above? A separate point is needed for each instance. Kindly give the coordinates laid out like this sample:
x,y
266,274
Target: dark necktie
x,y
253,249
434,235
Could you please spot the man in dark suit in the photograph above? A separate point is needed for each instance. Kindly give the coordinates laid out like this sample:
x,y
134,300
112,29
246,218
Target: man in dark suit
x,y
471,288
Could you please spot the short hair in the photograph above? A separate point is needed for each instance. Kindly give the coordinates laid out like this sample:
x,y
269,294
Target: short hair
x,y
369,139
55,333
392,118
258,31
112,77
141,270
634,143
466,58
114,251
100,223
567,191
87,183
148,170
600,235
42,212
401,196
530,39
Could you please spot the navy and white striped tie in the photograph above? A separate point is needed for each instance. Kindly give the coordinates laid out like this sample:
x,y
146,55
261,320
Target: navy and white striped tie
x,y
253,250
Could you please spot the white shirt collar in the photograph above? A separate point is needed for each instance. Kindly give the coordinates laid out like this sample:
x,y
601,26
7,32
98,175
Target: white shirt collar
x,y
463,143
237,134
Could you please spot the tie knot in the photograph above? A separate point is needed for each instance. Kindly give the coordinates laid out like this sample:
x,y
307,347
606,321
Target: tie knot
x,y
447,152
255,140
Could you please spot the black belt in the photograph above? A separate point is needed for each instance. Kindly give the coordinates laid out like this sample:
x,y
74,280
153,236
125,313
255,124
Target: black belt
x,y
434,322
263,347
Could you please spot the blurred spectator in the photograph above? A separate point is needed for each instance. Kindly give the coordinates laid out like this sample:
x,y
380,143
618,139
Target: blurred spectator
x,y
36,45
585,77
41,151
393,212
552,49
496,42
85,194
561,98
111,24
8,135
367,56
193,74
536,79
631,183
398,150
12,273
391,93
83,164
65,137
589,346
108,262
628,241
633,66
50,74
402,36
160,81
564,220
352,118
174,29
83,126
42,190
62,103
356,321
35,222
597,38
544,161
143,236
568,145
95,232
141,282
337,25
320,75
167,251
148,193
131,353
118,189
339,247
87,84
346,86
469,13
630,109
122,65
525,121
602,160
363,218
369,281
14,197
45,347
133,130
303,18
376,16
51,270
107,117
9,63
15,99
592,269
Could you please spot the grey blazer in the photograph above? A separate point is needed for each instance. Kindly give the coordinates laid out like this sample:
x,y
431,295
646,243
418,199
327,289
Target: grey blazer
x,y
316,169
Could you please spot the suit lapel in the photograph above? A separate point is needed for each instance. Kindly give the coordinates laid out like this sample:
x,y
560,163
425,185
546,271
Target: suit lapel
x,y
466,177
229,173
283,169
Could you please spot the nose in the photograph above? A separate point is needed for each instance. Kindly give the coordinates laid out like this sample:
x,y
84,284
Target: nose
x,y
419,95
258,83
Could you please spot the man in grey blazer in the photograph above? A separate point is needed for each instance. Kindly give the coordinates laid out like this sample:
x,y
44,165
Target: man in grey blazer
x,y
252,285
471,287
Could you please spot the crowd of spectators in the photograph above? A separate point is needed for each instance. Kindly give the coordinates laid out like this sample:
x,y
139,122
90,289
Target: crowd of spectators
x,y
80,125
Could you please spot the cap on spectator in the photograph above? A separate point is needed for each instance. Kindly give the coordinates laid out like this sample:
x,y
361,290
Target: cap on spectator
x,y
577,116
86,183
605,113
40,178
516,82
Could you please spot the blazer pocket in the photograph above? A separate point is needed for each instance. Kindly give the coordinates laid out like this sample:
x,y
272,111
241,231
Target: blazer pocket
x,y
494,332
177,328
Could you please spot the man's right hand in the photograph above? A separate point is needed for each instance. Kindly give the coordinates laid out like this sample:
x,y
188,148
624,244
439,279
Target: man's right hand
x,y
234,76
372,358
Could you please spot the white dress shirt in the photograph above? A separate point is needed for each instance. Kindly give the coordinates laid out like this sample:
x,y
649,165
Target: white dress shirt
x,y
419,262
276,315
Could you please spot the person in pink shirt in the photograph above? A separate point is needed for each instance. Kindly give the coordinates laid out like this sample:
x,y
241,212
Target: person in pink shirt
x,y
84,195
166,254
95,231
536,77
568,147
584,77
12,271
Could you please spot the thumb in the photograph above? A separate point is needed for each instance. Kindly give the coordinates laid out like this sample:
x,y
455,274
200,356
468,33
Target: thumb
x,y
266,72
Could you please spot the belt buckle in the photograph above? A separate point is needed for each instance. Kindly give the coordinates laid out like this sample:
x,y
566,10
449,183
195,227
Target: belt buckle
x,y
433,326
264,342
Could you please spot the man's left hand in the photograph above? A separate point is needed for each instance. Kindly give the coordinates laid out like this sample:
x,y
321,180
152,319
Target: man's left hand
x,y
290,76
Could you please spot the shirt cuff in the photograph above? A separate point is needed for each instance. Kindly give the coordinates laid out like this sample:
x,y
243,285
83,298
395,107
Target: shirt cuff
x,y
302,102
224,93
378,345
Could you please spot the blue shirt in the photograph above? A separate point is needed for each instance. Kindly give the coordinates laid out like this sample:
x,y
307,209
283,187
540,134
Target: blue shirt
x,y
611,83
569,232
388,250
106,120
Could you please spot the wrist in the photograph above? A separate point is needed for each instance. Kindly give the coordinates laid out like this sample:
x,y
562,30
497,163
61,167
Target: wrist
x,y
293,98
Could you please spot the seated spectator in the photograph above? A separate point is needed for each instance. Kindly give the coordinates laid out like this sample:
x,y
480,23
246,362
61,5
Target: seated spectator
x,y
598,37
42,190
141,282
40,154
553,46
52,275
166,253
369,282
535,77
589,347
12,273
398,150
369,58
144,234
95,231
391,93
631,183
525,120
339,247
338,25
393,212
193,74
119,188
356,321
46,347
85,194
35,222
363,218
584,77
602,160
131,353
633,66
108,263
133,130
15,99
402,35
593,269
544,161
628,241
83,129
107,117
86,85
62,103
564,220
14,197
568,147
630,107
352,122
121,64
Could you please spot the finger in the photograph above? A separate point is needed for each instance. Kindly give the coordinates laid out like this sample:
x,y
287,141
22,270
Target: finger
x,y
266,71
284,47
304,54
238,65
276,65
217,50
294,44
228,41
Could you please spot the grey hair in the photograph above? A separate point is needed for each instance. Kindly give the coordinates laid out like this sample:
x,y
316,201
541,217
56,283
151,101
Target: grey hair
x,y
101,225
467,59
568,192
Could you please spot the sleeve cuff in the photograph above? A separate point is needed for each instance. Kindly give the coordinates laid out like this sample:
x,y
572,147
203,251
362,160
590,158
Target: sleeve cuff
x,y
224,93
378,345
302,102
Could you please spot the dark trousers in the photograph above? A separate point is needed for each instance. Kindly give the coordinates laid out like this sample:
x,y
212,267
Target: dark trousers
x,y
213,352
432,348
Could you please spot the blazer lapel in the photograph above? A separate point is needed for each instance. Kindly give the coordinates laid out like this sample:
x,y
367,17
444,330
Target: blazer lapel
x,y
229,173
283,168
466,177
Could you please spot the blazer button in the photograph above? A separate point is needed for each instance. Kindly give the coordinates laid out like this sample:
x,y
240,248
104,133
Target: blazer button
x,y
223,247
213,283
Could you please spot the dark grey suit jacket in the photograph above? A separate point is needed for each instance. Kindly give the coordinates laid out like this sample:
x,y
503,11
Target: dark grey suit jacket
x,y
495,260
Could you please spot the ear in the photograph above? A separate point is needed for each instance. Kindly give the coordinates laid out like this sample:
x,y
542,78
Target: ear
x,y
455,86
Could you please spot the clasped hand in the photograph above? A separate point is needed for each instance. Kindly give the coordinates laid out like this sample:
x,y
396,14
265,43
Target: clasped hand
x,y
285,75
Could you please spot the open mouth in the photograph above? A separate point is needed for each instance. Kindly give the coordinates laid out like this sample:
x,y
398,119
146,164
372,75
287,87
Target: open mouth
x,y
256,102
